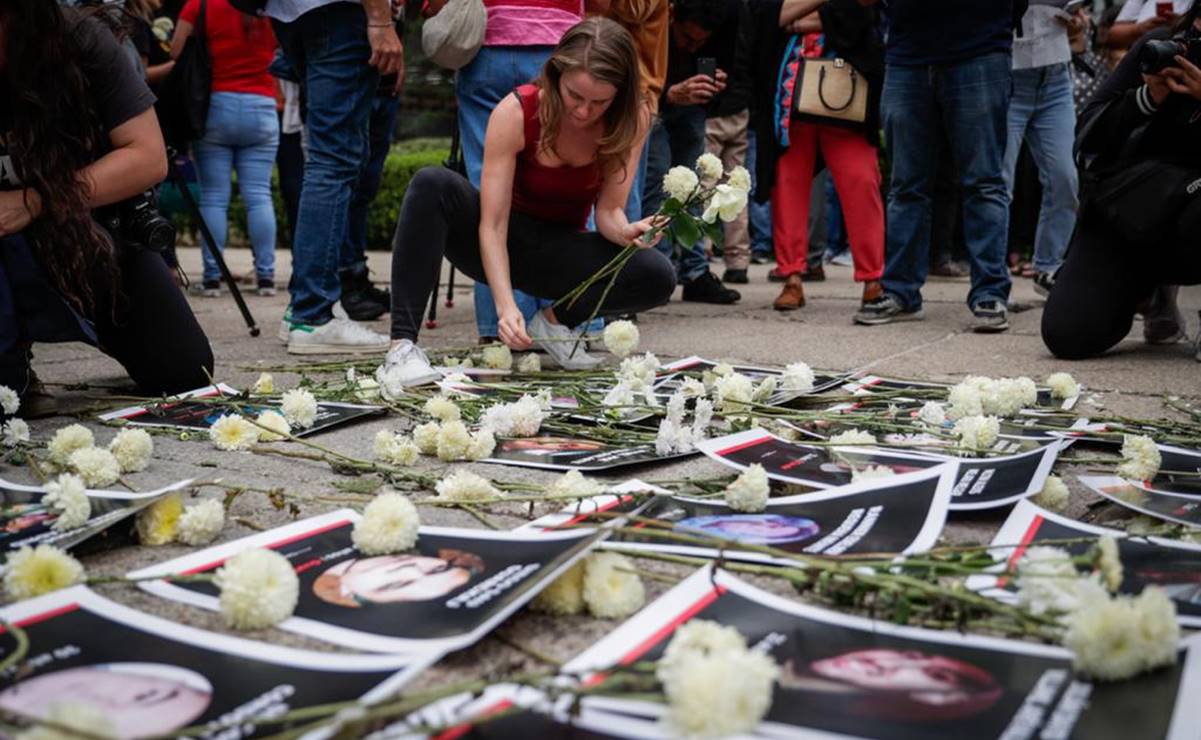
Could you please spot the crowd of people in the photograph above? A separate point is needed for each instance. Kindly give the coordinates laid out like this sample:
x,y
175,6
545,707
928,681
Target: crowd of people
x,y
899,137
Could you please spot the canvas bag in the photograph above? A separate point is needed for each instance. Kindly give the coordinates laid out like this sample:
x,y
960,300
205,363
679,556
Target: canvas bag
x,y
831,91
454,36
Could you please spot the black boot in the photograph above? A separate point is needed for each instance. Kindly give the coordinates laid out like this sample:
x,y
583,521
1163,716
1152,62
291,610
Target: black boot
x,y
356,301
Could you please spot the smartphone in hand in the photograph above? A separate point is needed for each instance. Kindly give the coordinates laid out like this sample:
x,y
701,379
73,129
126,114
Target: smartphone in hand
x,y
707,66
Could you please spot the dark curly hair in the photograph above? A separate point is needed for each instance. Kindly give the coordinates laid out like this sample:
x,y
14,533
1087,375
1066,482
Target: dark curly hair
x,y
55,134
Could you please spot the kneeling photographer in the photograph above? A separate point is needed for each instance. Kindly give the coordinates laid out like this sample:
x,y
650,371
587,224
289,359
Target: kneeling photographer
x,y
1139,148
79,149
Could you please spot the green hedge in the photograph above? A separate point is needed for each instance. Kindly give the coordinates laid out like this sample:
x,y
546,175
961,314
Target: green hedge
x,y
402,163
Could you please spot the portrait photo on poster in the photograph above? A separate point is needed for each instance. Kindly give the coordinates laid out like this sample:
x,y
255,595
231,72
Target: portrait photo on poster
x,y
445,593
28,522
900,514
851,676
981,483
1173,565
1172,507
147,676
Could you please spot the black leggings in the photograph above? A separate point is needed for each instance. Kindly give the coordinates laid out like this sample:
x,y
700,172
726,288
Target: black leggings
x,y
152,331
1101,283
441,216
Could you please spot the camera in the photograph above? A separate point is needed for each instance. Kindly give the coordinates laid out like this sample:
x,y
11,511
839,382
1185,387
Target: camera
x,y
1159,54
137,220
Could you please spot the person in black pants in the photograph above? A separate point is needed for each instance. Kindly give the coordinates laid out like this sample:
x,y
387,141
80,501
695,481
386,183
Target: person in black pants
x,y
554,150
92,141
1133,120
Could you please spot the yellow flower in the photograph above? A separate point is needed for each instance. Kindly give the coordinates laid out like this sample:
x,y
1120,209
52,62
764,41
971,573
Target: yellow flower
x,y
36,571
158,523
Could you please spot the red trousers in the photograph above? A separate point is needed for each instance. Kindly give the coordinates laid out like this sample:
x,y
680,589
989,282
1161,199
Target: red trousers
x,y
855,168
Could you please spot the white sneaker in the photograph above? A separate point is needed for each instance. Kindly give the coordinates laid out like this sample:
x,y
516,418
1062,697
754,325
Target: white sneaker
x,y
337,336
285,326
558,342
405,366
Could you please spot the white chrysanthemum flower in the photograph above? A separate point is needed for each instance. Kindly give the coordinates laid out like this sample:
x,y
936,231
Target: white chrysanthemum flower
x,y
10,402
277,427
483,443
366,390
565,595
1119,638
933,414
1063,385
97,467
299,407
1109,563
132,448
872,472
232,433
201,523
259,588
798,378
1140,457
522,418
967,397
725,203
672,438
68,497
702,416
265,385
1054,494
612,588
158,523
709,167
453,441
621,337
1048,581
389,525
739,178
749,491
642,368
676,407
33,571
679,183
715,686
574,483
693,388
395,449
464,485
391,381
1008,396
67,440
442,409
68,720
16,431
426,437
853,437
978,432
733,392
529,363
497,357
1158,627
766,387
619,396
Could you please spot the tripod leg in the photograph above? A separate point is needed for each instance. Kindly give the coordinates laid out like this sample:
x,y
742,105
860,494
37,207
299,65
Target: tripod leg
x,y
431,321
211,245
450,288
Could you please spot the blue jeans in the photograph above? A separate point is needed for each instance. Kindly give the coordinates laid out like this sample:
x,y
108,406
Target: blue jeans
x,y
328,47
836,230
240,135
493,74
383,119
1042,113
967,104
760,218
677,138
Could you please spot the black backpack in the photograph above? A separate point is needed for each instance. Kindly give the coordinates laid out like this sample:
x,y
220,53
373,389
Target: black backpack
x,y
250,7
183,98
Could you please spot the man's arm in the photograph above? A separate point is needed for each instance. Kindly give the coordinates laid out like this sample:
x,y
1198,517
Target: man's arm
x,y
387,53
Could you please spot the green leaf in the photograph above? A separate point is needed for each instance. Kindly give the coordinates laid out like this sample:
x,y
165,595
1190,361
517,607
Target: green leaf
x,y
686,231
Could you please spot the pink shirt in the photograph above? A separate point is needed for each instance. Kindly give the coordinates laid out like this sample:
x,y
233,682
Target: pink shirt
x,y
530,22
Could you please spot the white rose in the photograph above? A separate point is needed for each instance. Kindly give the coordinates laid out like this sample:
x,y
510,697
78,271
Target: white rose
x,y
726,203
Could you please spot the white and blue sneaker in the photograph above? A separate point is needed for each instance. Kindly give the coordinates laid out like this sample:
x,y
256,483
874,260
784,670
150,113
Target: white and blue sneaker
x,y
336,336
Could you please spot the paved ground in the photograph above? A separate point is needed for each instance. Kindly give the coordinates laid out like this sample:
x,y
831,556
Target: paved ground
x,y
1131,381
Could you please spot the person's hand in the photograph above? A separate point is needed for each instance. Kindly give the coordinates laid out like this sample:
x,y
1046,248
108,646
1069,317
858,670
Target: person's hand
x,y
400,76
387,53
1185,79
15,214
1153,23
720,79
511,329
696,90
1158,87
633,232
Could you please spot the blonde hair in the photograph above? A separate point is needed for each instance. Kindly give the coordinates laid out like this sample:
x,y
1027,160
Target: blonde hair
x,y
606,51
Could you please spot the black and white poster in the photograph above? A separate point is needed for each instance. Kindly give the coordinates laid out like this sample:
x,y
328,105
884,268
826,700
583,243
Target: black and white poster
x,y
848,676
900,514
822,382
609,509
1174,507
1173,565
449,591
195,411
1179,472
981,483
551,452
153,677
28,522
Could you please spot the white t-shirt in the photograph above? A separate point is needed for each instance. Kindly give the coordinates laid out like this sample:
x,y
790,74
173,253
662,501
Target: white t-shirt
x,y
289,10
1140,10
